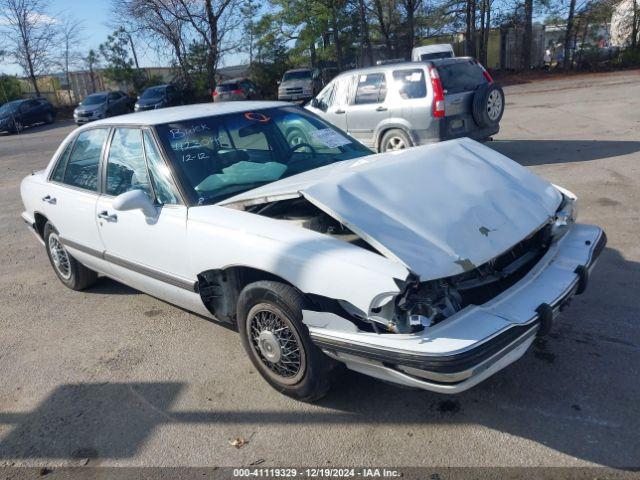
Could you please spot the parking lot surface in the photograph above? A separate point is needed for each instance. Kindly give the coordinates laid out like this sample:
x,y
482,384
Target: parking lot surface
x,y
111,376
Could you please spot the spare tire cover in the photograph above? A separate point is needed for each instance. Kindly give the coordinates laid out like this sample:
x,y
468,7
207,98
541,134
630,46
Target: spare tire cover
x,y
488,105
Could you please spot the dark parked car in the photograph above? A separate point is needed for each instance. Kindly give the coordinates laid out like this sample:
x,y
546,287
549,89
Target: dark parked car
x,y
158,96
16,115
102,105
236,89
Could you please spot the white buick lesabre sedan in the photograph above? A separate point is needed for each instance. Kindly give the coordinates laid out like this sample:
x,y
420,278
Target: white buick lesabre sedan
x,y
433,267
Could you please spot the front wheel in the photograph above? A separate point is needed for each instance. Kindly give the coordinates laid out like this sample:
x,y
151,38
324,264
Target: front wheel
x,y
278,343
70,272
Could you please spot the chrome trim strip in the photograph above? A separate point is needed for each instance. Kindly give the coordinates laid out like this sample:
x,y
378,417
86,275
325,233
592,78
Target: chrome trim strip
x,y
151,272
174,280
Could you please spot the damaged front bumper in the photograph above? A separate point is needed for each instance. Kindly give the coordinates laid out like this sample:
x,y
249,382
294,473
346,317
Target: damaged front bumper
x,y
479,340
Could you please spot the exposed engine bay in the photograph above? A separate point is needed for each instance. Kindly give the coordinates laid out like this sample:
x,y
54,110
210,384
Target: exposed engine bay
x,y
306,215
420,304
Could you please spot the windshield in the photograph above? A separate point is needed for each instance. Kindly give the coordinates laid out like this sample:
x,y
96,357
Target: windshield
x,y
95,99
222,156
153,92
300,75
435,56
10,107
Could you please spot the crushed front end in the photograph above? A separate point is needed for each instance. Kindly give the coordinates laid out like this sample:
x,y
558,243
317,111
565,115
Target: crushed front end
x,y
448,335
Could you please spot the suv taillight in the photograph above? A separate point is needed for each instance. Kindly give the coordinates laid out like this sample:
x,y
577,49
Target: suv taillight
x,y
438,93
485,73
238,91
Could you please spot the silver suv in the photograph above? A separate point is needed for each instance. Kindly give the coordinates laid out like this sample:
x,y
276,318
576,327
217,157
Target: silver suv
x,y
395,106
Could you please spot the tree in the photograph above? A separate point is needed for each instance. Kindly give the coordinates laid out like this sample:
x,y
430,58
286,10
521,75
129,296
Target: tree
x,y
71,38
29,35
92,61
527,42
9,89
119,66
567,35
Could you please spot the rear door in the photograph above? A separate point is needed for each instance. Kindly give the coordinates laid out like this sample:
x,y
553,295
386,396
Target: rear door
x,y
411,102
72,195
460,79
368,106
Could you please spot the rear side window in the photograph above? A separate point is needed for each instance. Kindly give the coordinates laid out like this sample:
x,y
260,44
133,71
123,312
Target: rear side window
x,y
462,76
58,171
227,87
372,88
82,167
410,83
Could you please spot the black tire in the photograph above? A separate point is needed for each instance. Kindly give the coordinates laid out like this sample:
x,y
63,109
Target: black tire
x,y
488,105
17,126
75,276
395,139
312,378
48,118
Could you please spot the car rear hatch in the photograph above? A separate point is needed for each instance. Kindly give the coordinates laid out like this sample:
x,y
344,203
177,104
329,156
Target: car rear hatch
x,y
227,91
460,78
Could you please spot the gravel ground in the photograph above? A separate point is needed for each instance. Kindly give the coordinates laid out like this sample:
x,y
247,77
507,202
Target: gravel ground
x,y
111,376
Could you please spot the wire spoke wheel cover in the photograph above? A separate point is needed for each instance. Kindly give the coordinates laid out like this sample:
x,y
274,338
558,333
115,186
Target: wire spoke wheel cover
x,y
494,105
276,343
59,256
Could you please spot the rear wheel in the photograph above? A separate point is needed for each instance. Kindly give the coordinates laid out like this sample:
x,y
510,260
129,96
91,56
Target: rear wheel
x,y
278,343
70,272
18,126
395,139
48,118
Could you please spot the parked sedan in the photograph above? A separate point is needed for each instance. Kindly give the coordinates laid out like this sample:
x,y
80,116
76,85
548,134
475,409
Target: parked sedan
x,y
159,96
433,267
18,114
101,105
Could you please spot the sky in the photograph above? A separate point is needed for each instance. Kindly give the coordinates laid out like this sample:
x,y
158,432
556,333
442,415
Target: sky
x,y
95,15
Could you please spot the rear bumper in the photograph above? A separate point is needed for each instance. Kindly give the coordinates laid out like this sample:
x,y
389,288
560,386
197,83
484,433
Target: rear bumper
x,y
480,340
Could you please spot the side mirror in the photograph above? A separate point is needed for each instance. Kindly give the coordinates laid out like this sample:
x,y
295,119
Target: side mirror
x,y
134,200
315,103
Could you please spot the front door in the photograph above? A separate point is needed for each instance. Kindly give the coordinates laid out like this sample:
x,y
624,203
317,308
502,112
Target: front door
x,y
368,107
146,252
336,105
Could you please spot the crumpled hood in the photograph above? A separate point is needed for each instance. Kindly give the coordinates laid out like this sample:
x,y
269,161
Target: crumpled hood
x,y
440,210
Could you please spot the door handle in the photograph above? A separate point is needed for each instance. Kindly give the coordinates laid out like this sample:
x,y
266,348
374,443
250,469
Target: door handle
x,y
381,109
339,111
109,218
49,199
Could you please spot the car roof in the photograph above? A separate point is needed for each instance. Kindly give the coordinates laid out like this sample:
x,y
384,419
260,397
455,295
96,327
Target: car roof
x,y
186,112
298,70
233,80
403,64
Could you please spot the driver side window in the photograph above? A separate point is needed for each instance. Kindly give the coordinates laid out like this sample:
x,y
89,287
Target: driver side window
x,y
126,168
